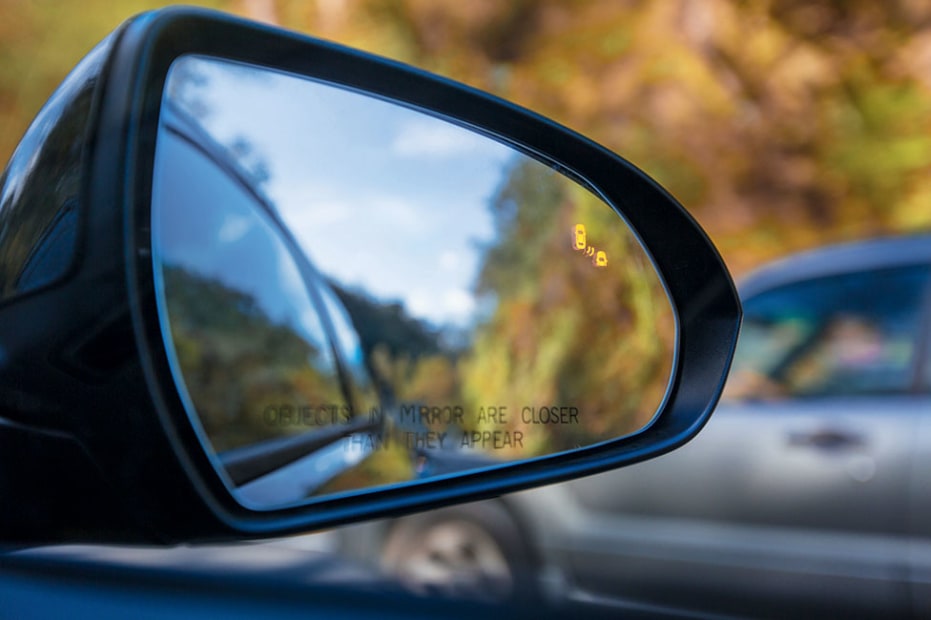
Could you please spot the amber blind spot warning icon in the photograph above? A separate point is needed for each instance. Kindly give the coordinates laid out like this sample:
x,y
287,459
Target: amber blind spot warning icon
x,y
578,237
580,244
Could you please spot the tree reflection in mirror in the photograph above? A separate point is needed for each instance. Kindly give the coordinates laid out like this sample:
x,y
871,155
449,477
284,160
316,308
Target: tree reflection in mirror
x,y
354,293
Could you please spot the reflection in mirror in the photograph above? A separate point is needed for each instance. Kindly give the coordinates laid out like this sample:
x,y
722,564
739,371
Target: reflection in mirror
x,y
355,293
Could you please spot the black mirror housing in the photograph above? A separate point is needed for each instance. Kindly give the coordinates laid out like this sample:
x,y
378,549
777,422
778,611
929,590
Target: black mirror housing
x,y
95,442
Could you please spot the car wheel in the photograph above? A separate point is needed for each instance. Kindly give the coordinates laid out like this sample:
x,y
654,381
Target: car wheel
x,y
476,551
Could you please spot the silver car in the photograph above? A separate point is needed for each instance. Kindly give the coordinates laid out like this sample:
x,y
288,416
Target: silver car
x,y
810,488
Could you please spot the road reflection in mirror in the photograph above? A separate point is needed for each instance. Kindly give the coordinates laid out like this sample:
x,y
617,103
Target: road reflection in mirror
x,y
354,293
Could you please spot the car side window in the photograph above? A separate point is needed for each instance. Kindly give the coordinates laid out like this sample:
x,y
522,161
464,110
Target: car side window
x,y
251,349
844,335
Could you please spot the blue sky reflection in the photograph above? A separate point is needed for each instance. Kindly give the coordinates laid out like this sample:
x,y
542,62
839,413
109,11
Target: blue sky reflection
x,y
382,198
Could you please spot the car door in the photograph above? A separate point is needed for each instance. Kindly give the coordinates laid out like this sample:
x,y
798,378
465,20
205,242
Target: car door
x,y
797,489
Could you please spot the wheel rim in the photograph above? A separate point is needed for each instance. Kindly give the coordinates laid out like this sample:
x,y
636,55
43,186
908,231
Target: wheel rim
x,y
455,558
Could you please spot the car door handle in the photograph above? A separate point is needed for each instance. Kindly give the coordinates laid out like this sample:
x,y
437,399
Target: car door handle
x,y
827,439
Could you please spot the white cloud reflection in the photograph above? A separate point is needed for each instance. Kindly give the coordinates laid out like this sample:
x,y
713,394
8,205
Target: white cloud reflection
x,y
430,137
233,229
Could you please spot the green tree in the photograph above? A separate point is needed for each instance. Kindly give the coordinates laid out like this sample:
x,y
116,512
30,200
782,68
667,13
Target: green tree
x,y
236,363
565,332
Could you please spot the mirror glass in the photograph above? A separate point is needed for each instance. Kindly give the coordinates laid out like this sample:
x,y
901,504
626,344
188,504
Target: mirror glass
x,y
354,293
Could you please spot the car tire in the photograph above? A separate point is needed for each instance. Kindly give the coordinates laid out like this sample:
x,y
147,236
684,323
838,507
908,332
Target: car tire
x,y
475,551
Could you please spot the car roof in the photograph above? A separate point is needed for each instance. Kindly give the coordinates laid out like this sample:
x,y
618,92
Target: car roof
x,y
868,255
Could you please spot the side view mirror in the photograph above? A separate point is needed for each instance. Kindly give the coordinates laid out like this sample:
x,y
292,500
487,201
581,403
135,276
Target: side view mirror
x,y
254,283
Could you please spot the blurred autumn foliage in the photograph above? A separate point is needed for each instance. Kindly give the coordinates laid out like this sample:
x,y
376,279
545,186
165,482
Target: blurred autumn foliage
x,y
780,124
